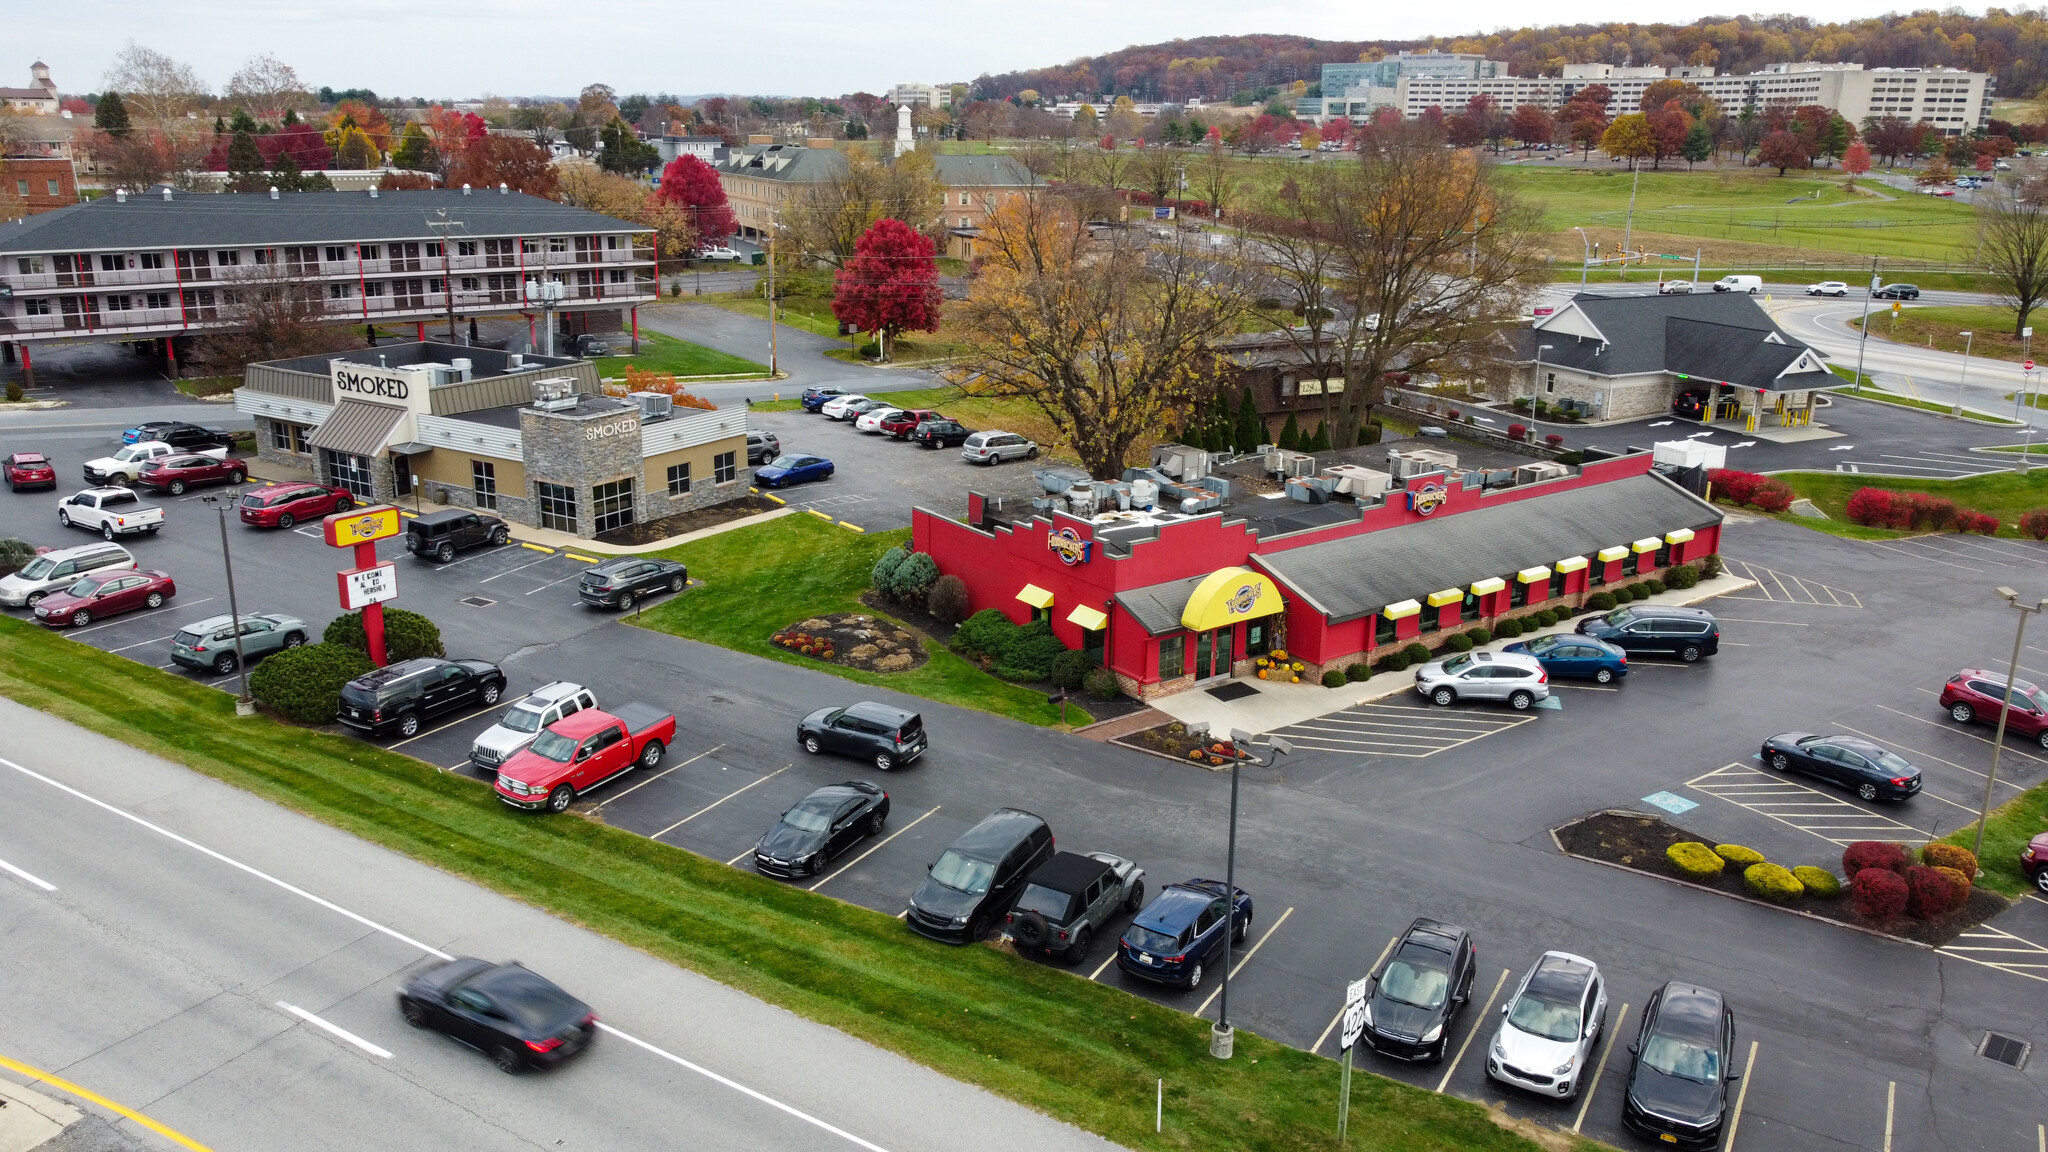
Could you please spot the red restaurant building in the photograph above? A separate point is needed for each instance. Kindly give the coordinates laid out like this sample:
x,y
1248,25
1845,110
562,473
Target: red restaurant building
x,y
1169,600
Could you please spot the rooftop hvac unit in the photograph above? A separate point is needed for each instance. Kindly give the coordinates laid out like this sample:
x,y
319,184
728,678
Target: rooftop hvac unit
x,y
1542,470
1308,490
1285,462
1419,461
462,366
554,394
1181,462
1357,481
653,405
1690,454
1144,493
1057,478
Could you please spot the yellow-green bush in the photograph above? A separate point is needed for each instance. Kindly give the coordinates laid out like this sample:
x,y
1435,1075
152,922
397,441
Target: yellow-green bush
x,y
1694,861
1956,877
1819,881
1739,856
1939,855
1772,882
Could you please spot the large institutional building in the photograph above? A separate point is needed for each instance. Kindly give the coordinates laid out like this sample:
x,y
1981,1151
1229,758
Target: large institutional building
x,y
761,177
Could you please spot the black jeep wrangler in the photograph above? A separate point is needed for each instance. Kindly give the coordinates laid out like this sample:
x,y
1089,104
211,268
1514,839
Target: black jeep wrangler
x,y
1069,898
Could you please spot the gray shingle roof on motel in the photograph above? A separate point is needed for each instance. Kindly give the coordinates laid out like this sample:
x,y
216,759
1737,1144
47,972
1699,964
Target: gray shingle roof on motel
x,y
1360,575
198,220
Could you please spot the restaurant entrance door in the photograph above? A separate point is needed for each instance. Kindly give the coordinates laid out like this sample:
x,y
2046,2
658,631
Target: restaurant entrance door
x,y
1213,651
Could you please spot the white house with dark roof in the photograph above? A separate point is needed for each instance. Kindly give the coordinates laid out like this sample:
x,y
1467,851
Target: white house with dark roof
x,y
1621,357
39,98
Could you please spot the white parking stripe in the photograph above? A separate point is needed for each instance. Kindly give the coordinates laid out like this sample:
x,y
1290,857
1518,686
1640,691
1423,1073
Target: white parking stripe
x,y
1991,947
871,851
501,702
664,772
1741,1098
1798,806
1332,1025
1951,727
158,640
1478,1021
123,619
35,880
1594,1085
1394,730
1891,1095
720,800
1931,560
344,1033
1246,959
521,568
1925,755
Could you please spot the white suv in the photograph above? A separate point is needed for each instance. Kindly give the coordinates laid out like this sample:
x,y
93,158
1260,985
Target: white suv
x,y
1552,1023
1510,676
1828,288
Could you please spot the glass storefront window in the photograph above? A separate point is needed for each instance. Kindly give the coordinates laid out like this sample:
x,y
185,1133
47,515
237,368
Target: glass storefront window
x,y
1519,594
557,506
347,471
1628,562
1383,630
1258,638
612,504
1557,584
1173,659
1470,611
483,480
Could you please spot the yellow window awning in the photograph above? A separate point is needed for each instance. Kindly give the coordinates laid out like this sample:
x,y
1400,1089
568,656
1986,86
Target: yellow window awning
x,y
1229,595
1678,537
1035,596
1402,610
1614,553
1090,619
1488,586
1533,575
1571,565
1647,544
1447,596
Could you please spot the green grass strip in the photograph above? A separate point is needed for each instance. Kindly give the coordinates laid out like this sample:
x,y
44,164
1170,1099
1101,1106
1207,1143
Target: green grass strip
x,y
2012,825
659,353
1083,1052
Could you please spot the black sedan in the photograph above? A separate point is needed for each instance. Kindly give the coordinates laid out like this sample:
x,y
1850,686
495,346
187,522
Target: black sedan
x,y
1680,1072
1870,770
516,1017
821,826
1416,997
1896,292
618,583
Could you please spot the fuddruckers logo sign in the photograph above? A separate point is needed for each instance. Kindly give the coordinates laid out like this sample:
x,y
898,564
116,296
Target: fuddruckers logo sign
x,y
1068,546
1426,499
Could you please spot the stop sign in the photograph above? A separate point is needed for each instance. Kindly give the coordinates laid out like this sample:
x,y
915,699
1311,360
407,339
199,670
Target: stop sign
x,y
2029,365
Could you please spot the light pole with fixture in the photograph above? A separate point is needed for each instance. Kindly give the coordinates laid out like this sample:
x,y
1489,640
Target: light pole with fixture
x,y
1536,376
1863,329
1585,261
2012,675
1964,374
1221,1036
245,705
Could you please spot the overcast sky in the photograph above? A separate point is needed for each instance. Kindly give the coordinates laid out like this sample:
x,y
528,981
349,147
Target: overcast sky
x,y
459,48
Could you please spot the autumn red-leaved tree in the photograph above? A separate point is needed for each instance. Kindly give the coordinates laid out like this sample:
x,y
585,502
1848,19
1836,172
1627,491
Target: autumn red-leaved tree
x,y
1856,161
1783,149
891,285
690,184
509,160
1531,125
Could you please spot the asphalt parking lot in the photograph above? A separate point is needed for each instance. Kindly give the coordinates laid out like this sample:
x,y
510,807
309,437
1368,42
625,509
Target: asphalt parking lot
x,y
1343,843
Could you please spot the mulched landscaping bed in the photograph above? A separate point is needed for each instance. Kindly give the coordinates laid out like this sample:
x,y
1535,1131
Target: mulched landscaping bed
x,y
1636,840
868,643
1173,740
650,531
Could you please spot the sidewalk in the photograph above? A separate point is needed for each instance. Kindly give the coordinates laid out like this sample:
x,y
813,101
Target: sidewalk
x,y
1278,705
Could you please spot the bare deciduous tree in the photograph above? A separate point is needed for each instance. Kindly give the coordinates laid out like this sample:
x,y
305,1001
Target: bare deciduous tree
x,y
267,87
155,87
2015,224
273,312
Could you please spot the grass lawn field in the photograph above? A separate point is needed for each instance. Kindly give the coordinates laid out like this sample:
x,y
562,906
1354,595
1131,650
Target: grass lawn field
x,y
2012,824
1941,326
1081,1051
200,387
659,353
2005,495
761,579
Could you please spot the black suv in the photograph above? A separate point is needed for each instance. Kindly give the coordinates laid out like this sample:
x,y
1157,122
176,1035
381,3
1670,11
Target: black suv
x,y
970,883
193,438
939,434
1072,897
398,697
1417,994
440,535
1681,1068
618,583
1896,292
1656,629
762,446
875,732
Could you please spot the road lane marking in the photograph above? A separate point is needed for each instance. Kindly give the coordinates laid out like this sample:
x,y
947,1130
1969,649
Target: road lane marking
x,y
734,862
344,1033
717,802
1746,620
1741,1096
1332,1025
230,861
1891,1094
127,616
63,1085
871,851
1118,951
35,880
1246,959
499,703
1477,1020
1917,556
664,772
742,1088
1599,1068
552,583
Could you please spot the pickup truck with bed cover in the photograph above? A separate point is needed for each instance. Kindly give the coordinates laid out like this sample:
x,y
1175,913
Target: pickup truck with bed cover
x,y
580,752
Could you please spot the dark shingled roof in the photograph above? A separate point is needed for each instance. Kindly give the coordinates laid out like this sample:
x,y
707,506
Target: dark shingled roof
x,y
1157,607
1723,337
1359,575
148,221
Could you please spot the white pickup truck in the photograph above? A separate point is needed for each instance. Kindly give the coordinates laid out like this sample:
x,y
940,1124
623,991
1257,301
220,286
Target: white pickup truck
x,y
110,511
124,466
525,720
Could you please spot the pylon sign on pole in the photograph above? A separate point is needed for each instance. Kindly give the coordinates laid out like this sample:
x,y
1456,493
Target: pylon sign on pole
x,y
369,583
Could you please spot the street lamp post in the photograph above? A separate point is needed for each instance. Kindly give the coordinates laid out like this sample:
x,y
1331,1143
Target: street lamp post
x,y
1863,329
2005,708
1964,374
245,705
1222,1038
1536,377
1586,261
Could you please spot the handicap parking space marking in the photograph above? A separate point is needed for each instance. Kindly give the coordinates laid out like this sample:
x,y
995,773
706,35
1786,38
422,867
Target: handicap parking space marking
x,y
1777,587
1996,948
1797,806
1245,959
1395,730
872,849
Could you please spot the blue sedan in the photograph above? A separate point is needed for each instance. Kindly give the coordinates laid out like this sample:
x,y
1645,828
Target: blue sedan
x,y
783,471
1569,654
1180,933
146,431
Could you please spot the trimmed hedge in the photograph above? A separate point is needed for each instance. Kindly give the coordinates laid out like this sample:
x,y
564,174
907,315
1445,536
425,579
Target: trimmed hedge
x,y
1358,673
304,684
1070,669
1509,628
1016,652
1873,854
1928,893
1694,861
1654,585
1772,882
407,635
1738,855
1102,684
1681,577
1601,602
1479,635
1711,566
1416,654
1333,679
947,600
1622,596
1546,618
1458,642
1819,881
1639,590
1391,662
1878,894
1939,855
1960,881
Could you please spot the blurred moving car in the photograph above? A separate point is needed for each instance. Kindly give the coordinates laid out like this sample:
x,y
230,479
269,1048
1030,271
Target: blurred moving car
x,y
1675,288
1691,404
797,468
1828,288
515,1016
1896,292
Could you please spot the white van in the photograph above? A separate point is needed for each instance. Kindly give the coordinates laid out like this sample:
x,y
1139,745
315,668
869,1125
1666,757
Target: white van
x,y
1749,284
58,570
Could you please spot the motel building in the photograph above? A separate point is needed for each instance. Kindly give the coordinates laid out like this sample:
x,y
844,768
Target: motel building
x,y
1170,600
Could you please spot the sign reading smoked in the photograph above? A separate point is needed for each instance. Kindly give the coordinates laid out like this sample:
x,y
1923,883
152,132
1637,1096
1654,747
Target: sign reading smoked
x,y
625,427
361,587
1069,547
363,526
356,380
1426,499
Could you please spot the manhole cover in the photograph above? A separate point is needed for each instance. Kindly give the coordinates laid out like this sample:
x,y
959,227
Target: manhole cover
x,y
477,601
2005,1049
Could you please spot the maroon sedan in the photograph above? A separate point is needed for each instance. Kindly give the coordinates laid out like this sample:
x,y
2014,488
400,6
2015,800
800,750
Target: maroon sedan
x,y
283,505
901,425
1975,695
30,470
107,594
2034,858
174,474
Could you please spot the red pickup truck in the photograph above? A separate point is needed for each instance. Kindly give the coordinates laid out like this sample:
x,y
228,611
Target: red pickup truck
x,y
580,752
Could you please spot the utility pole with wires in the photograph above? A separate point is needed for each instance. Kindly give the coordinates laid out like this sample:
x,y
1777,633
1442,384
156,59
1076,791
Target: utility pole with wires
x,y
444,225
773,227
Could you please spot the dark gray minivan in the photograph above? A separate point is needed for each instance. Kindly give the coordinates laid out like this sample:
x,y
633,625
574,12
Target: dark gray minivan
x,y
1657,630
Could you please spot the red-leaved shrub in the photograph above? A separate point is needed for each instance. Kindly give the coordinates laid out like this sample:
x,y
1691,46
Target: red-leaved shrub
x,y
1873,854
1928,893
1517,431
1772,495
1554,440
1733,486
2035,523
1871,507
1878,894
1982,523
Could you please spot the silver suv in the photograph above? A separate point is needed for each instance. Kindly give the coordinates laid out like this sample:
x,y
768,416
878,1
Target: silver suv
x,y
1509,676
994,447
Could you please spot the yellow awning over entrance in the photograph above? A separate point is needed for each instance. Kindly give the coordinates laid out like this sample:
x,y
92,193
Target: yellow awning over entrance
x,y
1647,544
1090,619
1228,596
1035,596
